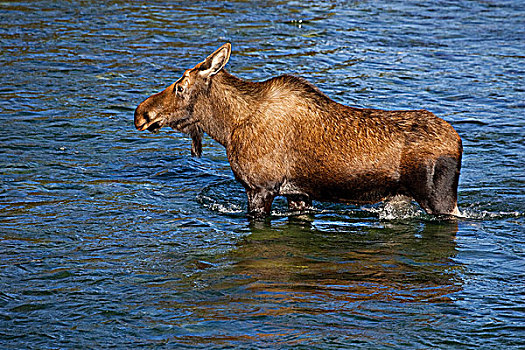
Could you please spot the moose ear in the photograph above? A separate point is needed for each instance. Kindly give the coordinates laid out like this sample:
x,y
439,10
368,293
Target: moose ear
x,y
216,61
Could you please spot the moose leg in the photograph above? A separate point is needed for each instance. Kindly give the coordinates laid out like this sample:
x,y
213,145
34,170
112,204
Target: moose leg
x,y
299,202
260,201
437,185
443,199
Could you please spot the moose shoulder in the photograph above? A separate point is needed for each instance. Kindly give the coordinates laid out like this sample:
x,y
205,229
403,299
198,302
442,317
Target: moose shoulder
x,y
284,137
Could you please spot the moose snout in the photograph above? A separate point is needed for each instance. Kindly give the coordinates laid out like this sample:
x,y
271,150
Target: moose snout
x,y
147,119
141,119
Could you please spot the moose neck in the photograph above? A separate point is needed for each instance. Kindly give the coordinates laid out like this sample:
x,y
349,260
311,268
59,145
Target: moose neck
x,y
231,100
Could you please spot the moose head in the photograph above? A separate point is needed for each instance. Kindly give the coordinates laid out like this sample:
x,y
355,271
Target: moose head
x,y
182,104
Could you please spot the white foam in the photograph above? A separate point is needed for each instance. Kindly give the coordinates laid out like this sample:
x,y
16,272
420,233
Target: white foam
x,y
223,208
472,213
397,208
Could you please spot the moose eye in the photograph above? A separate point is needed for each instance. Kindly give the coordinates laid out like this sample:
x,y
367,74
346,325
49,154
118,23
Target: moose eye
x,y
180,89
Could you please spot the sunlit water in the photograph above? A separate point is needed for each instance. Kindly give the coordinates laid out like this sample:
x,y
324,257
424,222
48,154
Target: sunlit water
x,y
114,238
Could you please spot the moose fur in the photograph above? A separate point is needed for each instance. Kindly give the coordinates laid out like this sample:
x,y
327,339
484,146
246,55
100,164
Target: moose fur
x,y
284,137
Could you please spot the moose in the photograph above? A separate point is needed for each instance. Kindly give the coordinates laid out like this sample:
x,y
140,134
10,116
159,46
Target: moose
x,y
284,137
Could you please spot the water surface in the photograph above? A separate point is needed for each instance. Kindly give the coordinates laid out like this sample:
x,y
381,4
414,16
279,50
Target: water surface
x,y
114,238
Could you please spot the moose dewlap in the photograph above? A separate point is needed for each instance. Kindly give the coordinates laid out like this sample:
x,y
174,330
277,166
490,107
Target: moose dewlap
x,y
284,137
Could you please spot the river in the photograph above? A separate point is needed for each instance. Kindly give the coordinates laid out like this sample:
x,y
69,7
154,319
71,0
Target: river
x,y
114,238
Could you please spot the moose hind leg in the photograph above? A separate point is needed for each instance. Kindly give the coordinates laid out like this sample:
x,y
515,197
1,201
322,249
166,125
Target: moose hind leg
x,y
437,192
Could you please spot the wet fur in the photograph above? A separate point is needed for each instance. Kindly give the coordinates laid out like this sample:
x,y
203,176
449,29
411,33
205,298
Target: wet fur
x,y
285,137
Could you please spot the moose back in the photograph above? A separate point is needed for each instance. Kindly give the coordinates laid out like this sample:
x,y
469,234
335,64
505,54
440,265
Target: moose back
x,y
283,137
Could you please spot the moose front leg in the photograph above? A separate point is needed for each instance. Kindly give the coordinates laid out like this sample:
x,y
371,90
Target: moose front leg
x,y
260,201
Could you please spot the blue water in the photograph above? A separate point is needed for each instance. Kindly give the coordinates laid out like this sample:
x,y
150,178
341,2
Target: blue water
x,y
113,238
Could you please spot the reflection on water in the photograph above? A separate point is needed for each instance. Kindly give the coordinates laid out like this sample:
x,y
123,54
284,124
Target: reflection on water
x,y
111,238
366,265
286,275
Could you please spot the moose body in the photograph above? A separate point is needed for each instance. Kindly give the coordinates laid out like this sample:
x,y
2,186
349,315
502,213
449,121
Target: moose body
x,y
283,137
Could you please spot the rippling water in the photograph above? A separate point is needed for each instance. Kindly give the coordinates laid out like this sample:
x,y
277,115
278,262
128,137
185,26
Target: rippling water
x,y
114,238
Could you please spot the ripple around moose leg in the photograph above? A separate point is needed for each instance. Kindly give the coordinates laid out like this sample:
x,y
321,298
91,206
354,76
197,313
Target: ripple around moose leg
x,y
228,197
225,196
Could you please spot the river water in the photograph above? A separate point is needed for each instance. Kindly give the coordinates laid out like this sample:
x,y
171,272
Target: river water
x,y
114,238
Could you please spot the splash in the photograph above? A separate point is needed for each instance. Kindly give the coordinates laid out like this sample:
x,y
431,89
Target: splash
x,y
403,209
397,208
225,197
223,208
477,214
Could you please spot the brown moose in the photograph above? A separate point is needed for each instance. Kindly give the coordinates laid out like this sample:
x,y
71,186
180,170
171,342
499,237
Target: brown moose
x,y
284,137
